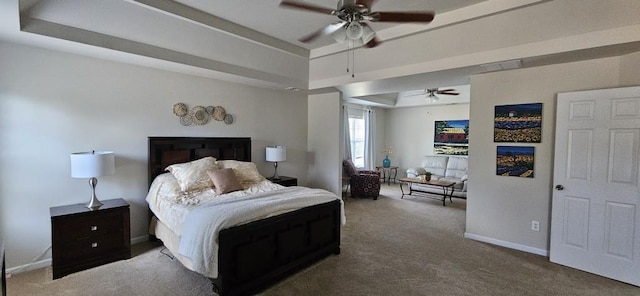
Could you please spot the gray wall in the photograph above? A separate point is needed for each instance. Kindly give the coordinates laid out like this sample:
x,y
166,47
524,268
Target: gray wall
x,y
56,103
500,209
410,132
324,142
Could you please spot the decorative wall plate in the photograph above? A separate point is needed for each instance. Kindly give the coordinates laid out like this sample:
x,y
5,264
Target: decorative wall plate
x,y
228,119
180,109
210,110
219,113
186,120
199,115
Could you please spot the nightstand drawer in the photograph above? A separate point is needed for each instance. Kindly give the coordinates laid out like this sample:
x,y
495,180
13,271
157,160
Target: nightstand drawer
x,y
75,228
91,246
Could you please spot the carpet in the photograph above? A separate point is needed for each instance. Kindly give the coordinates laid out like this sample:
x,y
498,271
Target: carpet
x,y
390,246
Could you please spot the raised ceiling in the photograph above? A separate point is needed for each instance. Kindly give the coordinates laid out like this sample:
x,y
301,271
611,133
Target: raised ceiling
x,y
289,25
255,42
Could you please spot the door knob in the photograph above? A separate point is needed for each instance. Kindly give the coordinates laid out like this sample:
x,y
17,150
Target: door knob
x,y
559,187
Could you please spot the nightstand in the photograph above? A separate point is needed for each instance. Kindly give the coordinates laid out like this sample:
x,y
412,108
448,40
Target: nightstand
x,y
3,281
285,181
82,238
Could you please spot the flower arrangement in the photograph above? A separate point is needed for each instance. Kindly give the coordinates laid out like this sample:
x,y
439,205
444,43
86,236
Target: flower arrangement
x,y
387,151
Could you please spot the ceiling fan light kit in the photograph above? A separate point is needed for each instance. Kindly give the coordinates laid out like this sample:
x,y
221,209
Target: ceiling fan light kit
x,y
352,28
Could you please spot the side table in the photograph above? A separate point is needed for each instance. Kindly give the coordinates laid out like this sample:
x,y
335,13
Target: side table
x,y
388,173
3,281
285,181
346,186
83,238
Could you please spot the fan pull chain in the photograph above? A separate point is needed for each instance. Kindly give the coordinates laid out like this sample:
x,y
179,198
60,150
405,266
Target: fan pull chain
x,y
353,63
347,57
351,49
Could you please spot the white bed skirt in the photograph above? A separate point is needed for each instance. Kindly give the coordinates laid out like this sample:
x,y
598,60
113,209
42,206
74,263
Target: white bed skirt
x,y
170,240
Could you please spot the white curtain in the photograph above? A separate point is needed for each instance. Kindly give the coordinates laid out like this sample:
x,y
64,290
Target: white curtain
x,y
370,128
347,136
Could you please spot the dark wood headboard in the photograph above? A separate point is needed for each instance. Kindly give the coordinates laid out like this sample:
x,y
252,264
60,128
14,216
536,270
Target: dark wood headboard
x,y
165,151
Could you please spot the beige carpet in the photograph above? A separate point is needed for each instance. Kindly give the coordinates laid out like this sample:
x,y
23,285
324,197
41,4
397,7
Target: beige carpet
x,y
389,247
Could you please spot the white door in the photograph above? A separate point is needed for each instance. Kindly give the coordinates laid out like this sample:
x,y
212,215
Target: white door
x,y
595,219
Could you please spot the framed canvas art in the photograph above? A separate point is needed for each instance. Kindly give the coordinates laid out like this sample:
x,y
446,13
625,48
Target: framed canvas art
x,y
451,137
518,123
515,161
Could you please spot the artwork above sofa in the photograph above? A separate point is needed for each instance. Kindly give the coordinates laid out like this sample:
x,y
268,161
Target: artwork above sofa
x,y
448,168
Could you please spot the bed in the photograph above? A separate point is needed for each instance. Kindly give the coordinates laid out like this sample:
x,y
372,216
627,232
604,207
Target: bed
x,y
253,255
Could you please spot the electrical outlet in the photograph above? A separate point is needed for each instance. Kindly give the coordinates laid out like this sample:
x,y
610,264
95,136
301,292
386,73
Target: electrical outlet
x,y
535,225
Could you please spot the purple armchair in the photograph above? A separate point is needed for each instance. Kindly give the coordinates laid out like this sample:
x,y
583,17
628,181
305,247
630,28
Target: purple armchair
x,y
363,183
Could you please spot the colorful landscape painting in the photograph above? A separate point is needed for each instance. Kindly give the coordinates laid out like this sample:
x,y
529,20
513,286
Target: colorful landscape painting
x,y
518,123
515,161
451,137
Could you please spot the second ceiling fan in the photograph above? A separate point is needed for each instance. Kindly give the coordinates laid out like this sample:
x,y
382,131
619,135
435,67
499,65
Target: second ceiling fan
x,y
353,14
431,93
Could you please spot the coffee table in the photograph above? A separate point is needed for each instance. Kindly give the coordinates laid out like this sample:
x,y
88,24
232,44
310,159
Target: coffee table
x,y
447,188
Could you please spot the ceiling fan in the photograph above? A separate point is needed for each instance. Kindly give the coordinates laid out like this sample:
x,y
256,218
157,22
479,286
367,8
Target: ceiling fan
x,y
431,93
353,14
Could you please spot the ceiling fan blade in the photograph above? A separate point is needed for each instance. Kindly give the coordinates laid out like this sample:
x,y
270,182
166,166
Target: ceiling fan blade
x,y
372,43
420,17
324,31
369,36
303,6
449,93
445,90
423,93
366,3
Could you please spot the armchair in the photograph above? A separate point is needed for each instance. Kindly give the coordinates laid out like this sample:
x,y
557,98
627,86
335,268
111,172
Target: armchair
x,y
363,183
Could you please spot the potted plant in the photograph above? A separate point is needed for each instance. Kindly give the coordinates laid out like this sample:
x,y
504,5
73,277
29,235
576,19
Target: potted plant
x,y
427,176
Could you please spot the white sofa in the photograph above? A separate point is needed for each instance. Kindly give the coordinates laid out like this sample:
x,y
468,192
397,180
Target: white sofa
x,y
449,168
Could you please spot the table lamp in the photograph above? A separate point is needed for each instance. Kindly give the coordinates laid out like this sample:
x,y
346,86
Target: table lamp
x,y
91,165
276,154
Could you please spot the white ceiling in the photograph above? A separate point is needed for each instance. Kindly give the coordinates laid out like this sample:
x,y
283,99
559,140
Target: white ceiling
x,y
267,17
135,31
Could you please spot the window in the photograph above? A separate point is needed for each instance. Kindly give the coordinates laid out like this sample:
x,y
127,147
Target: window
x,y
357,134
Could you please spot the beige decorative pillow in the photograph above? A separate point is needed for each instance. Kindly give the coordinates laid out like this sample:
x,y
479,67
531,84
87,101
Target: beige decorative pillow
x,y
246,172
193,175
224,180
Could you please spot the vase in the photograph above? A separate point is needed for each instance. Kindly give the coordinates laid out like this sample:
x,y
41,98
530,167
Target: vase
x,y
386,162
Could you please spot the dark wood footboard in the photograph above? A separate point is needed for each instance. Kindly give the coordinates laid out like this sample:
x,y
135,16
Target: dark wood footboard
x,y
256,255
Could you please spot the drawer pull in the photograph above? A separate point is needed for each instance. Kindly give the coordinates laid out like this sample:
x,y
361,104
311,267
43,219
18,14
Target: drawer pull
x,y
94,245
94,228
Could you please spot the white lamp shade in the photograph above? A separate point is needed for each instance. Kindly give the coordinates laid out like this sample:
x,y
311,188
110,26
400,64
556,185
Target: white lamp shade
x,y
276,153
92,164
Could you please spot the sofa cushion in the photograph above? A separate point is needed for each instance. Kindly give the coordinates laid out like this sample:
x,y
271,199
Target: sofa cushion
x,y
458,183
456,167
436,165
415,172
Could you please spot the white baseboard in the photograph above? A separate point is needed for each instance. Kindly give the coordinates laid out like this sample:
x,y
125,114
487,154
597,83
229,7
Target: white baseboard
x,y
47,262
29,267
140,239
506,244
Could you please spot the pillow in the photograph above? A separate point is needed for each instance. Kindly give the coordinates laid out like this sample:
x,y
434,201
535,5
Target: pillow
x,y
193,175
351,169
246,172
224,180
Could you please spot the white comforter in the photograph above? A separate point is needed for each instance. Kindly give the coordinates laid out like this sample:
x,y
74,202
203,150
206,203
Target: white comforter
x,y
211,218
197,218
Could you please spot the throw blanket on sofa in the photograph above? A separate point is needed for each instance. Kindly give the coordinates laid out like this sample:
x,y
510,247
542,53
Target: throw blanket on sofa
x,y
199,240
